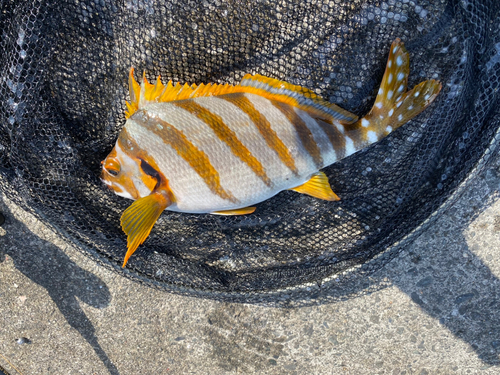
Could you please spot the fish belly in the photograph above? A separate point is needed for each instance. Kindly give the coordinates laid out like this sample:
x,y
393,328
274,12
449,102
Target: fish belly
x,y
230,151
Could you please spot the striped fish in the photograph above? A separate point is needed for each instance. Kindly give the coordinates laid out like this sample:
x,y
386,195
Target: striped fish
x,y
221,148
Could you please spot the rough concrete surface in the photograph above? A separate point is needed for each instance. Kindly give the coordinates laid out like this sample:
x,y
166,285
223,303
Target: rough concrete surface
x,y
61,313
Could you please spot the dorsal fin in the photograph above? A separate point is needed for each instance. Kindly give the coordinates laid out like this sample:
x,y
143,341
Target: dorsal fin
x,y
297,96
134,92
266,87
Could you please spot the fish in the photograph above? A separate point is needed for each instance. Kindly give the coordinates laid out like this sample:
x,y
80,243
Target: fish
x,y
222,148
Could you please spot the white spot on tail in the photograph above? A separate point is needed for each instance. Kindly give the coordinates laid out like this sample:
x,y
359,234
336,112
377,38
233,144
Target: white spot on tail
x,y
389,80
365,123
372,136
410,107
380,91
389,94
349,146
417,93
391,112
399,61
400,117
388,129
427,96
394,49
401,88
400,76
389,64
159,126
378,104
398,104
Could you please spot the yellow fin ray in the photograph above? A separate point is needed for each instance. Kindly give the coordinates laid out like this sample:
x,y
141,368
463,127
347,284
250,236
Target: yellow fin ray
x,y
150,92
238,211
318,187
138,220
134,90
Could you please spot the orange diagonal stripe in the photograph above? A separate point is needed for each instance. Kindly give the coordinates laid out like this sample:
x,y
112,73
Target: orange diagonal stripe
x,y
337,139
196,158
304,133
226,135
264,128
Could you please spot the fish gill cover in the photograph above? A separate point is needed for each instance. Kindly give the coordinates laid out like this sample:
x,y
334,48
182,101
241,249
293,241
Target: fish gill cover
x,y
63,88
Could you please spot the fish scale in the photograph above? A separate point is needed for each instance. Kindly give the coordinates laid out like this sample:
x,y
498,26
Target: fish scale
x,y
226,134
221,148
320,137
229,168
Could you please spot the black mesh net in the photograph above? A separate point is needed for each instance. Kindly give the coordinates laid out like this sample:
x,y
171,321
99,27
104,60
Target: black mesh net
x,y
63,86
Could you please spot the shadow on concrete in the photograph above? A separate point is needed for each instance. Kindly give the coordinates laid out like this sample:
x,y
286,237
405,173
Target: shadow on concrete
x,y
453,286
439,272
49,267
444,277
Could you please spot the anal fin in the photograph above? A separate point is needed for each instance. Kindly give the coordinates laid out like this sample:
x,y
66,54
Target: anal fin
x,y
238,211
318,187
138,220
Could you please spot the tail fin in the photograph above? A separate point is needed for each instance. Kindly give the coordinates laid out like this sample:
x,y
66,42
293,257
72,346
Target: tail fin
x,y
395,106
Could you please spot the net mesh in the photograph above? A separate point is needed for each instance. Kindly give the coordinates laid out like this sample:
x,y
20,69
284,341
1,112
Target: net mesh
x,y
63,86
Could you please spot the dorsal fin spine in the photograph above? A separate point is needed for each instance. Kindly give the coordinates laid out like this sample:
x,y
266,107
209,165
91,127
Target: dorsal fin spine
x,y
266,87
134,92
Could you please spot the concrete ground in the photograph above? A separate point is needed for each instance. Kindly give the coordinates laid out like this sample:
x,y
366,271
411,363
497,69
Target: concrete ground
x,y
61,313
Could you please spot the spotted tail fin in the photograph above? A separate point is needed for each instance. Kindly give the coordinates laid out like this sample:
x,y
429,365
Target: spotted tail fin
x,y
394,105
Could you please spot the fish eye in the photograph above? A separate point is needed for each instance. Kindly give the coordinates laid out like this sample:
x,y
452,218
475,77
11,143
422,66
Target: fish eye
x,y
112,172
112,166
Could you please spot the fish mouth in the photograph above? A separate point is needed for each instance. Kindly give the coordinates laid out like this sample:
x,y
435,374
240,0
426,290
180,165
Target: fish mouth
x,y
108,184
119,190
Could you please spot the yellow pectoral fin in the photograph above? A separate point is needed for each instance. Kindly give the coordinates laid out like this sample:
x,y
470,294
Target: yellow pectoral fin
x,y
318,187
239,211
138,220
